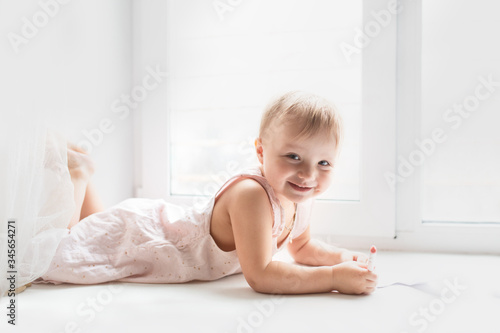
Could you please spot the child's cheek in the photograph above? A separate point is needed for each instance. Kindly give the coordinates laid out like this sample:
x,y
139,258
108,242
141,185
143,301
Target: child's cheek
x,y
287,167
282,164
325,181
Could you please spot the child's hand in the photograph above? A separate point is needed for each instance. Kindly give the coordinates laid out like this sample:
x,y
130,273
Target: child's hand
x,y
346,255
353,278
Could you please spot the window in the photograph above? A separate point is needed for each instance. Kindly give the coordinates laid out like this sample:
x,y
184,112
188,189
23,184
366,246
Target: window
x,y
460,97
448,194
226,61
416,166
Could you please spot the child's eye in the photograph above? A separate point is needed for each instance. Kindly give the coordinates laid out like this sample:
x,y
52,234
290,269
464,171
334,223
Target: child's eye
x,y
293,157
324,163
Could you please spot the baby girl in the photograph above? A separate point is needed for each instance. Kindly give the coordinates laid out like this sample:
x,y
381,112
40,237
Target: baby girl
x,y
253,215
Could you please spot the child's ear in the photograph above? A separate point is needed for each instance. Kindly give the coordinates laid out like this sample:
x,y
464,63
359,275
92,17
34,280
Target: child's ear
x,y
260,150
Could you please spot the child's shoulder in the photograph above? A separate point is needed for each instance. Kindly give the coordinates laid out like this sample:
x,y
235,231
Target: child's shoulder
x,y
246,204
246,192
247,187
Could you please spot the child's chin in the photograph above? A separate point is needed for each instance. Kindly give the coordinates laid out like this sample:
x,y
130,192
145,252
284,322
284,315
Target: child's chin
x,y
300,198
310,196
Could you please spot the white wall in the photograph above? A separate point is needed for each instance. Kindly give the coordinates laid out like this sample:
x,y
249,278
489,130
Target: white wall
x,y
70,60
150,51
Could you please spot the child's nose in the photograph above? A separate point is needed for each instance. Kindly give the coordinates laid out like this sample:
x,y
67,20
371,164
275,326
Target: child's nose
x,y
306,173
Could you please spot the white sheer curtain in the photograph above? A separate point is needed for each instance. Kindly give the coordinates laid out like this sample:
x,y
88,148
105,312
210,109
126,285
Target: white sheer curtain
x,y
36,192
63,79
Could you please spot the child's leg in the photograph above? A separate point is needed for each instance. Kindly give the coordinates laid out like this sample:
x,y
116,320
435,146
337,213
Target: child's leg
x,y
91,203
81,169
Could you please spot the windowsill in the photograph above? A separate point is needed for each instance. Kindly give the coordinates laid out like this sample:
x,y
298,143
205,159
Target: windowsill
x,y
439,238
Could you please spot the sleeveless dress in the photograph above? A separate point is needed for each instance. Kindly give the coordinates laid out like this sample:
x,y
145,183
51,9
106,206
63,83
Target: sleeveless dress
x,y
152,241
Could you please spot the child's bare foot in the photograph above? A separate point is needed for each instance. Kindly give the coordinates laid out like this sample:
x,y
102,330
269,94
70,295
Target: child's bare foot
x,y
20,289
76,148
80,165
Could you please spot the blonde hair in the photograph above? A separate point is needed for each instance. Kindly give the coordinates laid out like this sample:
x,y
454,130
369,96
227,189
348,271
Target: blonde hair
x,y
315,113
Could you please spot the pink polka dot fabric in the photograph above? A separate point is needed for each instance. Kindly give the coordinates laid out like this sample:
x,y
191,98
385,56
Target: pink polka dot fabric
x,y
153,241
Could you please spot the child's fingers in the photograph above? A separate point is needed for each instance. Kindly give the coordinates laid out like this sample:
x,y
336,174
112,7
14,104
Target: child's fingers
x,y
360,257
372,277
369,290
370,286
362,264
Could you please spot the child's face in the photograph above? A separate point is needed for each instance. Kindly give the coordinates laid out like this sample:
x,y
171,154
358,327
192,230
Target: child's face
x,y
297,168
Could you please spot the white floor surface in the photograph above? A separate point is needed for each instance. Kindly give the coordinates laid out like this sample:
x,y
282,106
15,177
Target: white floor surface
x,y
463,296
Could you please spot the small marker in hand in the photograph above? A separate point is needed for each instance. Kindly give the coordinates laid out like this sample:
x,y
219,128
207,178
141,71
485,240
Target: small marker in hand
x,y
371,259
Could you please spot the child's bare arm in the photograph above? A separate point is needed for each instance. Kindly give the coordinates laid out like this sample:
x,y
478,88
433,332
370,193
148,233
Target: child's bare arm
x,y
252,220
313,252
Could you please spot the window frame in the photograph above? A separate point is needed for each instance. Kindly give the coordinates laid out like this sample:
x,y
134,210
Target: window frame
x,y
374,214
404,230
378,122
414,233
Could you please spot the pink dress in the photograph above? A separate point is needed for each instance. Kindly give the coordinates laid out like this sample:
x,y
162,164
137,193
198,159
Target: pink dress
x,y
152,241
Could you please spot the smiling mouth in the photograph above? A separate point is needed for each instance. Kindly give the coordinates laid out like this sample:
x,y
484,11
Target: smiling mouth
x,y
300,188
